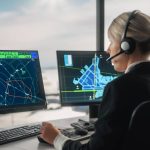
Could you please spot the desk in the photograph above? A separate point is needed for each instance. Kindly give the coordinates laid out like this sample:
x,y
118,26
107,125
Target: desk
x,y
32,143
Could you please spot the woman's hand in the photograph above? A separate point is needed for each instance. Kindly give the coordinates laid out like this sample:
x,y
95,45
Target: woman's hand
x,y
48,132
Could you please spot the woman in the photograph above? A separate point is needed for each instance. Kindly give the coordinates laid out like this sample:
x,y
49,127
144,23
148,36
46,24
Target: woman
x,y
129,50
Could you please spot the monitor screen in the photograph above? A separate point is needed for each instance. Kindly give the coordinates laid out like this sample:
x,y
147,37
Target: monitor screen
x,y
21,85
83,76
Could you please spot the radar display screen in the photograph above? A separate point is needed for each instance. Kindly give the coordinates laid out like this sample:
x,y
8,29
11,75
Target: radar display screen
x,y
21,85
83,76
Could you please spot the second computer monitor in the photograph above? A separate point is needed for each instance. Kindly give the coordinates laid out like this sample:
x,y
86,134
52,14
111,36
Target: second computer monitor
x,y
21,84
83,76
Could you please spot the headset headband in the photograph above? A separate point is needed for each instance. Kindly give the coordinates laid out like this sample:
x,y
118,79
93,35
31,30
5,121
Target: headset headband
x,y
131,16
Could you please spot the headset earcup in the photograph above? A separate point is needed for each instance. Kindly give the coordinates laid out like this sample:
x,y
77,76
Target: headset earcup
x,y
128,45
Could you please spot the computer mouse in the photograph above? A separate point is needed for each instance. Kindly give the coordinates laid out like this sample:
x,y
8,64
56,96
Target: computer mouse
x,y
86,123
41,140
80,131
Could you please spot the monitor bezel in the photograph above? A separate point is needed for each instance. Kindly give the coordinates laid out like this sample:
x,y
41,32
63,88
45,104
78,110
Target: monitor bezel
x,y
22,108
76,103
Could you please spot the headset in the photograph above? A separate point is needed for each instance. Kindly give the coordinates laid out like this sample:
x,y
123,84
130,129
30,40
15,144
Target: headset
x,y
127,44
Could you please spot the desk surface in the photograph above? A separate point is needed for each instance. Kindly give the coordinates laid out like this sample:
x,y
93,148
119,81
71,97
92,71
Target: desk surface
x,y
32,143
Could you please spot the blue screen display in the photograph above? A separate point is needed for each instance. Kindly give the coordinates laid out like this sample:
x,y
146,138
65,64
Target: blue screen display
x,y
83,76
20,79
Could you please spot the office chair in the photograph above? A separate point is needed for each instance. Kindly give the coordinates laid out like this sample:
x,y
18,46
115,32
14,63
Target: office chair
x,y
138,136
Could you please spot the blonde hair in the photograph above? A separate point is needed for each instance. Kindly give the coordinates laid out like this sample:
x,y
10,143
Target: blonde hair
x,y
138,28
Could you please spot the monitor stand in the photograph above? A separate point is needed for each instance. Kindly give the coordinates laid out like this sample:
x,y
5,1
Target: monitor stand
x,y
93,112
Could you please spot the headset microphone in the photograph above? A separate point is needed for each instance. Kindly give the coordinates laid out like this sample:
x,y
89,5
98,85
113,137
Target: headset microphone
x,y
112,57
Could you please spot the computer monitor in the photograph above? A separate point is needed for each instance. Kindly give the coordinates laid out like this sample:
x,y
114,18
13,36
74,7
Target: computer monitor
x,y
21,84
83,76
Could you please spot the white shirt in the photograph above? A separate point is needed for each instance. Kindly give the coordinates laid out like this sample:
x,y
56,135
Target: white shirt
x,y
59,141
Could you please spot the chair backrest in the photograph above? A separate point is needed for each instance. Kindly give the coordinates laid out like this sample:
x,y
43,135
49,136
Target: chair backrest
x,y
138,136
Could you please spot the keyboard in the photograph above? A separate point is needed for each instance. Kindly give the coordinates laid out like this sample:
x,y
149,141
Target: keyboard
x,y
71,133
18,133
90,126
